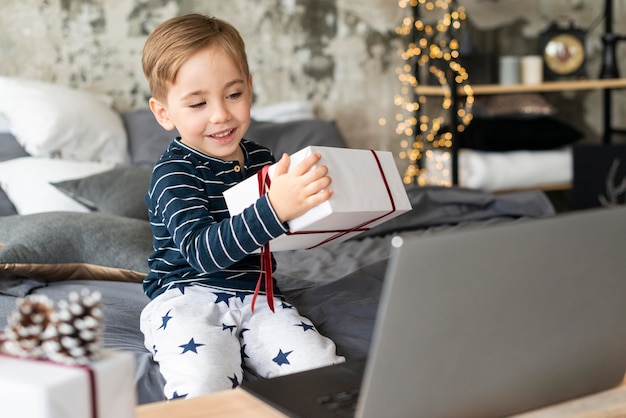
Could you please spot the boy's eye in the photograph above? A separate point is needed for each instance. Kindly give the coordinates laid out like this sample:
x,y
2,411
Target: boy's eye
x,y
196,105
234,95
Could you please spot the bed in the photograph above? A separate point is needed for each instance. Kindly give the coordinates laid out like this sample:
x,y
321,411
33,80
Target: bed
x,y
73,174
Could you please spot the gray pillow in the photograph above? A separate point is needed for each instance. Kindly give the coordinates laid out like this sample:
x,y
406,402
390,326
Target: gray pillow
x,y
56,246
119,191
292,136
148,140
6,206
10,148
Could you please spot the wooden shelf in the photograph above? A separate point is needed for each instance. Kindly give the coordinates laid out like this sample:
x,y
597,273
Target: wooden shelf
x,y
548,86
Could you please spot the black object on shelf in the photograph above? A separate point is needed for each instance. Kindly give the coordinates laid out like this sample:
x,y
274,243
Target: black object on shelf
x,y
609,70
609,42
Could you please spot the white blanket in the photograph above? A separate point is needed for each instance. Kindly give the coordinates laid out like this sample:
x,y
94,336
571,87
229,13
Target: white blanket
x,y
496,171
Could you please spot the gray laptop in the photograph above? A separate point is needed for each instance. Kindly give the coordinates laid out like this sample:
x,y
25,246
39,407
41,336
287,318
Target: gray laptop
x,y
484,323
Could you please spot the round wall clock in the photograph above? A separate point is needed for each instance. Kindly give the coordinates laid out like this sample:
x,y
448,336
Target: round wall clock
x,y
563,51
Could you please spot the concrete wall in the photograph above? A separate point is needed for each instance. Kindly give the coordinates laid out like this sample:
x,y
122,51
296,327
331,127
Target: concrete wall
x,y
339,54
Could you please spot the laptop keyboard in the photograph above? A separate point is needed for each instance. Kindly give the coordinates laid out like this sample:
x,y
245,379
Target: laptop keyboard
x,y
343,404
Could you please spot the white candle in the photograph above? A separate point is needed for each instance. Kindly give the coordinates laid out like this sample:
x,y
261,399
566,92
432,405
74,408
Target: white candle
x,y
532,69
509,69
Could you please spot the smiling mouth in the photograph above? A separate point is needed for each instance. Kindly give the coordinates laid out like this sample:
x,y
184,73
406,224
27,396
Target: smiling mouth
x,y
222,135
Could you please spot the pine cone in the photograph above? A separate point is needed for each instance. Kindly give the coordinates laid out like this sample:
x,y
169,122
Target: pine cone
x,y
26,327
77,327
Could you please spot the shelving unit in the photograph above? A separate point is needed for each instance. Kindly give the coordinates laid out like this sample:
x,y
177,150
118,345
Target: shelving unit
x,y
455,90
549,86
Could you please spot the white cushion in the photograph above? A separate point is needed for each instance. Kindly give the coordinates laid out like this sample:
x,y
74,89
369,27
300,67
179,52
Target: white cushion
x,y
283,112
498,171
26,182
50,120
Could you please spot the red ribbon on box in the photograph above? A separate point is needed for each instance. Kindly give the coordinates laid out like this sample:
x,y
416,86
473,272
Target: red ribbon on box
x,y
266,257
362,226
91,376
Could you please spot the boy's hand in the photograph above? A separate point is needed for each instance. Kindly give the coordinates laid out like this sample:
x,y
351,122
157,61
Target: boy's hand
x,y
295,192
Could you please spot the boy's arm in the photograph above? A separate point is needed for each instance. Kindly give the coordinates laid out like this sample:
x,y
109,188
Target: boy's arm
x,y
181,202
215,246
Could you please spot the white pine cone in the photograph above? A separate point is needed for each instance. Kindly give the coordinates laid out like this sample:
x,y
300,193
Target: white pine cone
x,y
26,327
75,337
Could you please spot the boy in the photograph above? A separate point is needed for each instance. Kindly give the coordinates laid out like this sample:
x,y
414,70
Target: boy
x,y
199,324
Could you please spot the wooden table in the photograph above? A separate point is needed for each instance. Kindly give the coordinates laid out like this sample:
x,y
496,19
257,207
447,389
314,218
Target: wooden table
x,y
239,403
229,403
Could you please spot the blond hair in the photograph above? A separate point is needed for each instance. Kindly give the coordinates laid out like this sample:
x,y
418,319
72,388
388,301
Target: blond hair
x,y
175,40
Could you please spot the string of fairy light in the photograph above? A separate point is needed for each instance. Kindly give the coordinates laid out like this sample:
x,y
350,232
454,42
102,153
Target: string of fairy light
x,y
431,30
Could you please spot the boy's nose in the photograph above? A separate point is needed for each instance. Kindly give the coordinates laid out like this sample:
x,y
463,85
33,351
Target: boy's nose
x,y
220,113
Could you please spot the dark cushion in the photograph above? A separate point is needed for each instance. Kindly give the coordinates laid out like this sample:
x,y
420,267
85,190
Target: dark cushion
x,y
508,133
119,191
519,105
599,176
56,246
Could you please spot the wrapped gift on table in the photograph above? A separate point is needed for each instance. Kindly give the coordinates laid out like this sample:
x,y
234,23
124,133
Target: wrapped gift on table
x,y
39,388
52,364
367,189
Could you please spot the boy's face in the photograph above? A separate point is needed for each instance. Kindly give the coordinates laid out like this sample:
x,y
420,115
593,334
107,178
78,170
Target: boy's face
x,y
209,103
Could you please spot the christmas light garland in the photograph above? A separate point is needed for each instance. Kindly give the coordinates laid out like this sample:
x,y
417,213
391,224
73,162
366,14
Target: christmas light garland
x,y
432,51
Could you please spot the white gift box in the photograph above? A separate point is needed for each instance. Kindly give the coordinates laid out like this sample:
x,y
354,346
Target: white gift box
x,y
367,189
38,389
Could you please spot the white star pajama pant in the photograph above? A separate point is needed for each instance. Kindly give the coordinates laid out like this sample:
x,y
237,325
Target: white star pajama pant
x,y
202,336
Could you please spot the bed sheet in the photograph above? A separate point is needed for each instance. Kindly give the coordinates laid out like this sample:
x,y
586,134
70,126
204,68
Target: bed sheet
x,y
337,286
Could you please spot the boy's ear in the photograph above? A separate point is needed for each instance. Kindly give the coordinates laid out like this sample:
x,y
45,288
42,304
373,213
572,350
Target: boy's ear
x,y
160,114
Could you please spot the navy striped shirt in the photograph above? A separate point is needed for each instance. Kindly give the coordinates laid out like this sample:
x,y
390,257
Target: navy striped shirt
x,y
195,239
